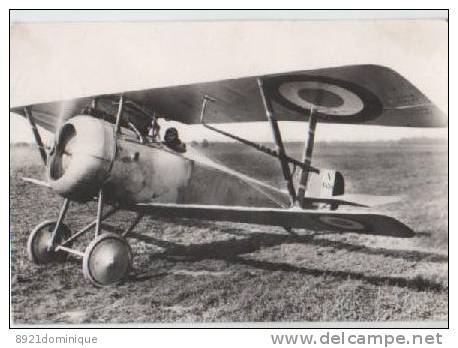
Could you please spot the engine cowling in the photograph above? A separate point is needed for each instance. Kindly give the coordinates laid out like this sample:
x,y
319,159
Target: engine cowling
x,y
82,157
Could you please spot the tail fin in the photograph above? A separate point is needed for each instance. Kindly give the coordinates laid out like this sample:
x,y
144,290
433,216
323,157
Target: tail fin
x,y
327,183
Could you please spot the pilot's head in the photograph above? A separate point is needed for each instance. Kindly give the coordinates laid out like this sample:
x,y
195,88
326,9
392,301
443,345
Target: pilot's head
x,y
171,135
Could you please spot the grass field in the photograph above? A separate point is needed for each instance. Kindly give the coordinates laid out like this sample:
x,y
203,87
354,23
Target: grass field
x,y
199,271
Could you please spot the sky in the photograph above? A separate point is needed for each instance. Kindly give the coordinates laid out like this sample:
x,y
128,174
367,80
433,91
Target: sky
x,y
55,61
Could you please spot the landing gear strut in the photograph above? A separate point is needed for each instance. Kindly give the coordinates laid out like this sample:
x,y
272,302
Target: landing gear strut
x,y
107,260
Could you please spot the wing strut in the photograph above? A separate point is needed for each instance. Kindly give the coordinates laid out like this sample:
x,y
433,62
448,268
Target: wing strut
x,y
278,142
280,153
36,134
119,114
117,128
307,159
258,147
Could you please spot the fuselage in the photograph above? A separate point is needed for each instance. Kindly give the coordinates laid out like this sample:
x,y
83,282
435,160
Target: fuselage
x,y
88,155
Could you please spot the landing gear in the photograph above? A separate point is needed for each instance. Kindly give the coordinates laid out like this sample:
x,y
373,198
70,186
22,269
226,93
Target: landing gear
x,y
39,245
107,260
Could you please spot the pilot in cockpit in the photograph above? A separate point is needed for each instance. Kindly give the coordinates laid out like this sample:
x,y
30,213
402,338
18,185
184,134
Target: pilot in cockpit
x,y
172,140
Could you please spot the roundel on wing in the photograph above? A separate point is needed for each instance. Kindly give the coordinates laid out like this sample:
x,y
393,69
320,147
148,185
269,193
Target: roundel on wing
x,y
332,100
343,223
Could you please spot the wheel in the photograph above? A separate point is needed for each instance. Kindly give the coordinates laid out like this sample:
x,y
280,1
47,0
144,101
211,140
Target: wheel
x,y
107,260
40,239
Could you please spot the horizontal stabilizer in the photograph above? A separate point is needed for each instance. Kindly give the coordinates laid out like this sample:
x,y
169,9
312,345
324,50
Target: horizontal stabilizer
x,y
369,200
359,221
353,199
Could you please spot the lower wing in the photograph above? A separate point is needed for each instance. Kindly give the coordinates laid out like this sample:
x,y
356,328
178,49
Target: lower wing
x,y
358,221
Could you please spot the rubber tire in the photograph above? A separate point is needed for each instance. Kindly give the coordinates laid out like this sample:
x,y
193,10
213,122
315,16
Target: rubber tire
x,y
41,257
94,247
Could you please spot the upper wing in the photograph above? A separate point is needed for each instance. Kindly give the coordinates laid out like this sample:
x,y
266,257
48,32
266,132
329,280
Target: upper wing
x,y
366,94
350,94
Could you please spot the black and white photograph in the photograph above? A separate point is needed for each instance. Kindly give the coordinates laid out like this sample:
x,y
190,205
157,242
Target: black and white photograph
x,y
228,172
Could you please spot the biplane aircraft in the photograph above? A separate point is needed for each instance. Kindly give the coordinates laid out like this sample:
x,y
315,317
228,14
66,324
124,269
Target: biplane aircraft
x,y
103,150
